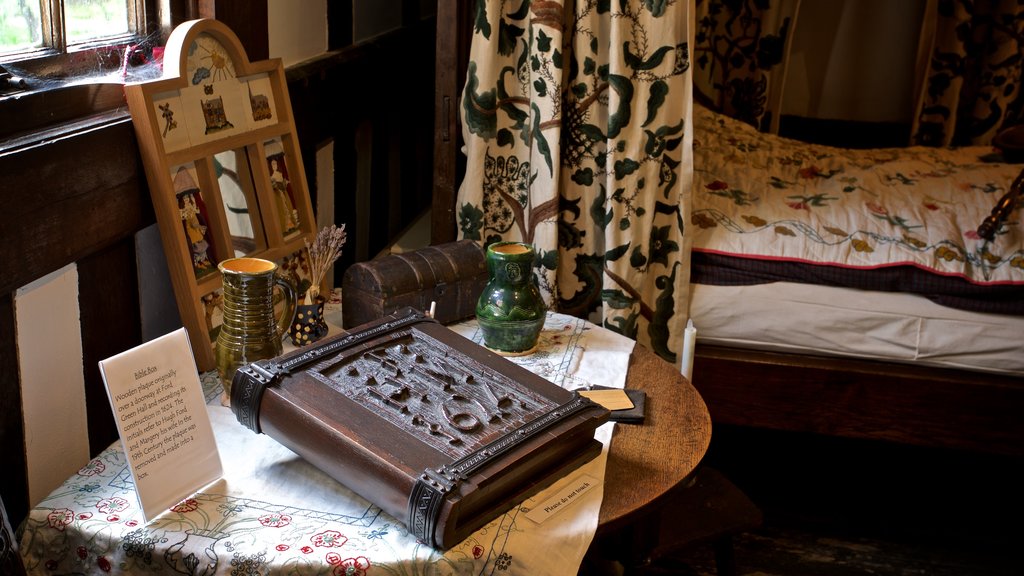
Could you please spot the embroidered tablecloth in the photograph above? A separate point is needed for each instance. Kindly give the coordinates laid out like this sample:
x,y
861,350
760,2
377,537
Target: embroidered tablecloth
x,y
273,513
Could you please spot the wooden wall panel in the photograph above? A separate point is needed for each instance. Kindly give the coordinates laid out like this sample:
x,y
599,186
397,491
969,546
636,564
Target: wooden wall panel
x,y
108,298
70,197
384,86
66,197
454,18
247,19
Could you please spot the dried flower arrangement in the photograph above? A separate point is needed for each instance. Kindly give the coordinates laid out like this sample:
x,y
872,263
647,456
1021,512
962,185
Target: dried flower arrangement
x,y
325,249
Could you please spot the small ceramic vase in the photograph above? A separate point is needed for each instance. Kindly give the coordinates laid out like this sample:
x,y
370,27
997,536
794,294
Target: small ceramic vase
x,y
309,325
251,331
511,310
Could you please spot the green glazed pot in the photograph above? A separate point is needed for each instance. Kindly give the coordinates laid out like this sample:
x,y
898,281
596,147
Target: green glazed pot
x,y
511,310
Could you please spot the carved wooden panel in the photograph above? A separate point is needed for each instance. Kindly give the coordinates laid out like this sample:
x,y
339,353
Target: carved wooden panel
x,y
417,385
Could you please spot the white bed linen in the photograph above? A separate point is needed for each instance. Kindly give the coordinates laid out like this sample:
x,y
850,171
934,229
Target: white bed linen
x,y
829,321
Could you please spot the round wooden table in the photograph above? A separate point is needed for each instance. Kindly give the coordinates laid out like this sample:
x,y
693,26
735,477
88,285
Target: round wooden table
x,y
645,461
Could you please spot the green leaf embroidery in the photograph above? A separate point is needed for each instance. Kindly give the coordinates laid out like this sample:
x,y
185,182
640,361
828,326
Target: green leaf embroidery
x,y
508,35
625,167
478,108
617,299
657,7
543,41
505,137
598,213
637,258
615,253
538,137
620,117
481,24
637,63
471,220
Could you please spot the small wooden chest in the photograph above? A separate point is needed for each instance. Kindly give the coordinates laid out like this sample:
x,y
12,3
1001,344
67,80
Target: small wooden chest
x,y
451,275
434,429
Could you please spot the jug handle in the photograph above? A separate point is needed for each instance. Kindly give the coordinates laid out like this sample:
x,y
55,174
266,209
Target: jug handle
x,y
288,315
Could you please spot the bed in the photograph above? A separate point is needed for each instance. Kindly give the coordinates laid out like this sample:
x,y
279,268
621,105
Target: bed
x,y
848,292
905,354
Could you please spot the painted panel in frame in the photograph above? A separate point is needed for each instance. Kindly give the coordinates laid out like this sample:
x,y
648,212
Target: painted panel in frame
x,y
238,194
281,187
172,123
260,106
213,111
194,220
214,101
212,305
208,61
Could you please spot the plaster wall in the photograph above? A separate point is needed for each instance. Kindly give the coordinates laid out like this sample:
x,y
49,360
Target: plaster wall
x,y
297,29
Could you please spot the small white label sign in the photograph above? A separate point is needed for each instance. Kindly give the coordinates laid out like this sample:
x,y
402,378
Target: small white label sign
x,y
563,498
161,416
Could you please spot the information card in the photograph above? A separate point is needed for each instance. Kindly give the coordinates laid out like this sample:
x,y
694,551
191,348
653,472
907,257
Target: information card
x,y
158,404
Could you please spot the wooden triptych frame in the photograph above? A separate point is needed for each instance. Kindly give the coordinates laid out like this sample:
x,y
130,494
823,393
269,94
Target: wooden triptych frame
x,y
222,159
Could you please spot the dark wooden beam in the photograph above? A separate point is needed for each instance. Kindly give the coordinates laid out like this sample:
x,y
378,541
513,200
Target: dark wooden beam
x,y
454,33
14,480
71,196
247,19
111,323
332,101
339,24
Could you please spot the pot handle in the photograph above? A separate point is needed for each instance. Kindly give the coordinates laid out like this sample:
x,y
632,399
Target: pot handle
x,y
288,315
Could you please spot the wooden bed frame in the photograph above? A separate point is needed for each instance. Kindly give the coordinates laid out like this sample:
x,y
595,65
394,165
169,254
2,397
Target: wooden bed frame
x,y
850,398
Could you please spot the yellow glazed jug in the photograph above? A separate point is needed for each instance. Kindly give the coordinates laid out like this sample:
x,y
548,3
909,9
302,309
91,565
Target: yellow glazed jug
x,y
250,331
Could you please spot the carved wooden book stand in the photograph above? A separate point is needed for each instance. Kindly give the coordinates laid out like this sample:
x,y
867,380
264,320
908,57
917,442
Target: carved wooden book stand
x,y
436,430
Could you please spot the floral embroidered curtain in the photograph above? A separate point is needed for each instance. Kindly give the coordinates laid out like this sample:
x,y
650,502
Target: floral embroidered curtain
x,y
972,87
576,116
740,54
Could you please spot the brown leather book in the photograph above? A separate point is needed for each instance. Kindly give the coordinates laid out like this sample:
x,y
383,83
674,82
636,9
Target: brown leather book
x,y
434,429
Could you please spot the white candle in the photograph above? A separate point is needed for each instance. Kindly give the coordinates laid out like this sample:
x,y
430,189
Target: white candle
x,y
689,342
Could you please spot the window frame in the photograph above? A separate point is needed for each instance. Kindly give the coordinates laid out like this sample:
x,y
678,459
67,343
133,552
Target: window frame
x,y
56,59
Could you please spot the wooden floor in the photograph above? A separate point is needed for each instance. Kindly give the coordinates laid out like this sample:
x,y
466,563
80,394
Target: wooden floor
x,y
839,507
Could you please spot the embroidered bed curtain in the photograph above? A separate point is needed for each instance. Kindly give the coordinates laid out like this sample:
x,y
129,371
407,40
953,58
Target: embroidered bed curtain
x,y
968,72
740,53
972,87
576,116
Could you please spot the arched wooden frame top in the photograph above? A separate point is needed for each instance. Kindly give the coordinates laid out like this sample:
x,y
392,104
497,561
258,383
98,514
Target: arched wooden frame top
x,y
188,122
